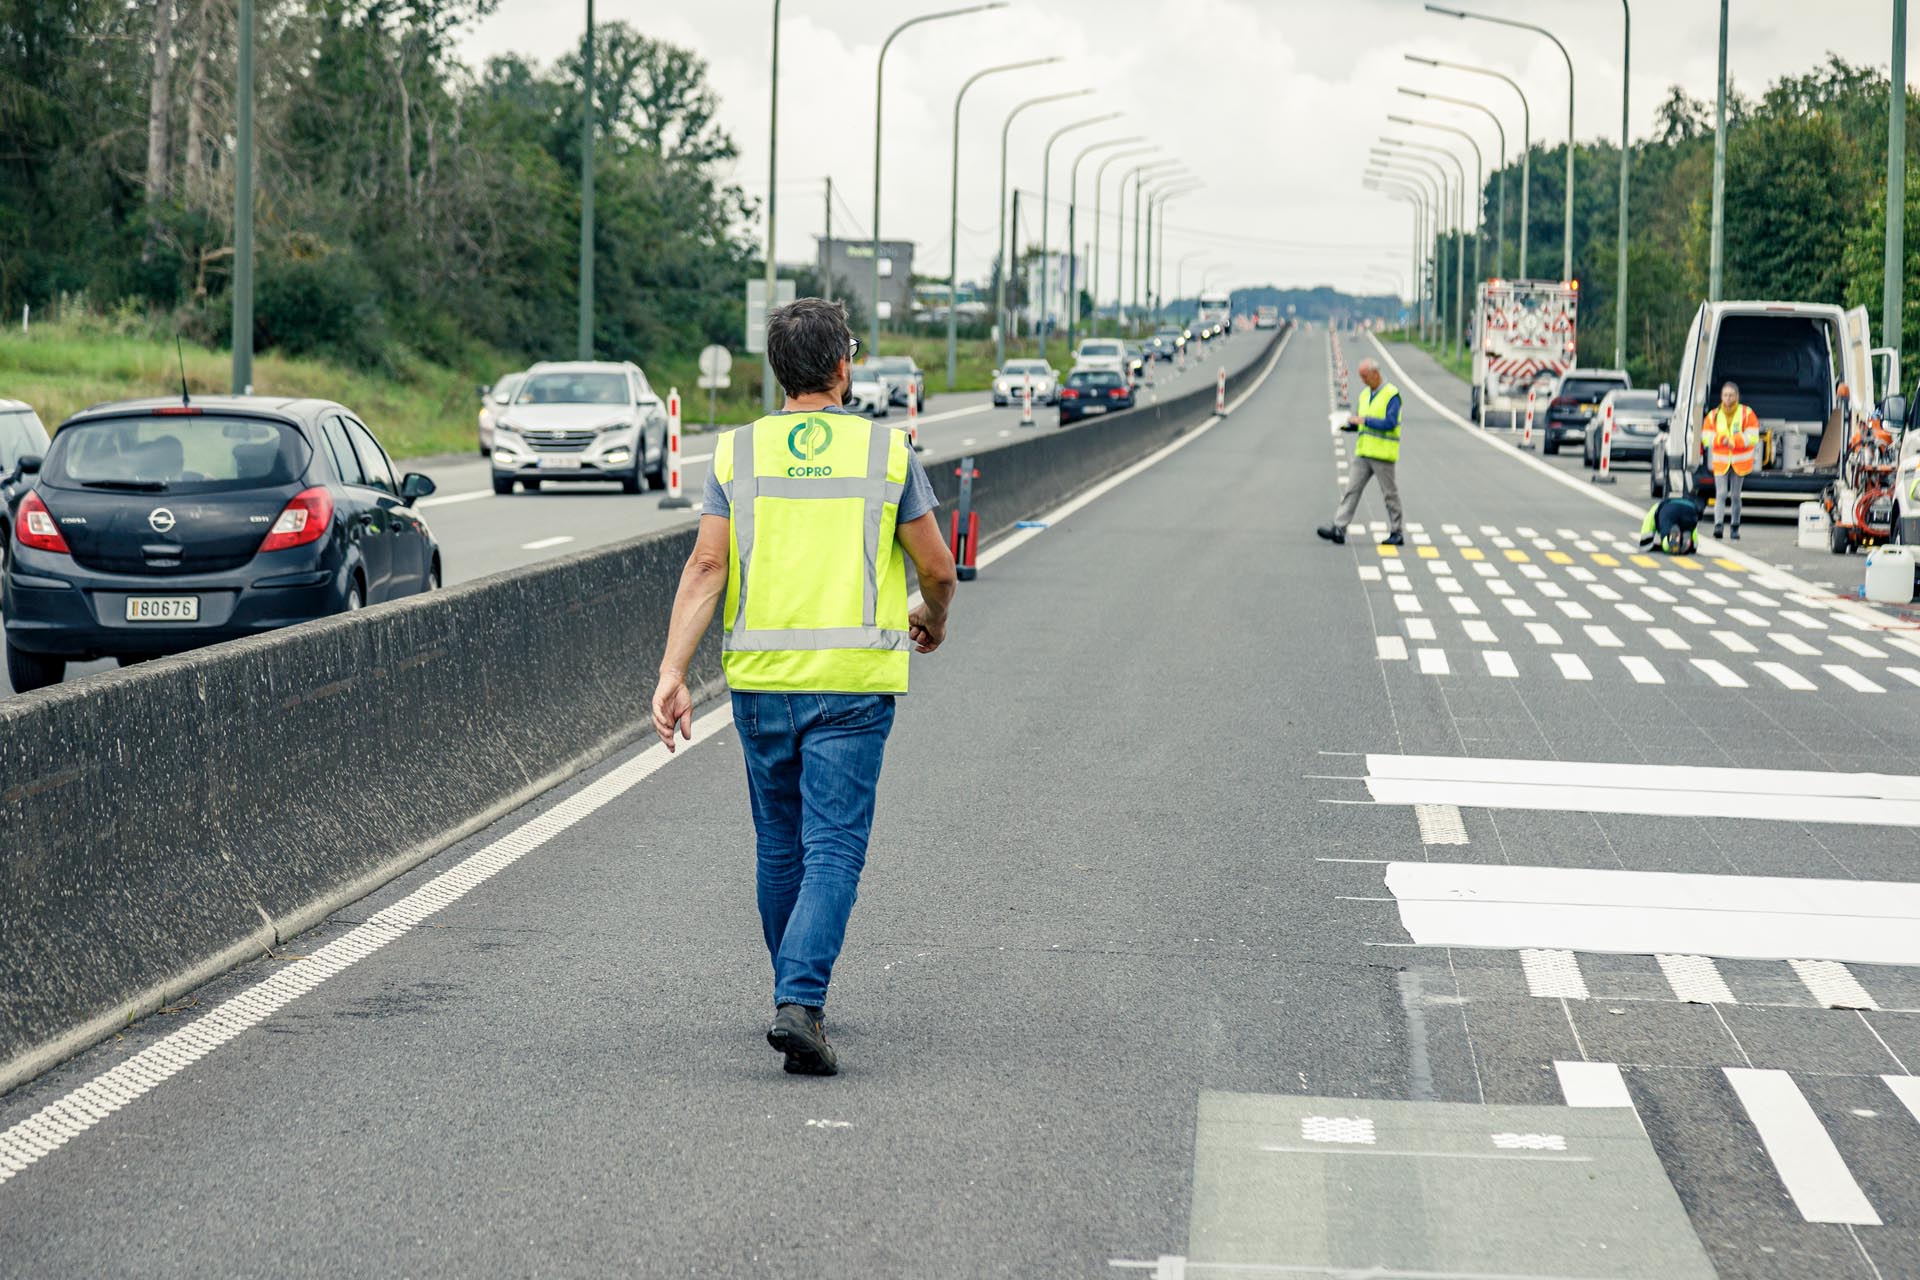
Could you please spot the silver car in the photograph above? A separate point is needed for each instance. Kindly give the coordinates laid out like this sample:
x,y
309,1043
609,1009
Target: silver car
x,y
492,400
871,396
581,420
1009,383
1637,420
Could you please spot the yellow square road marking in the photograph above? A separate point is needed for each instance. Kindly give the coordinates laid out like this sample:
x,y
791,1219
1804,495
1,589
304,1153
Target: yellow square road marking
x,y
1686,562
1516,555
1731,566
1390,552
1604,560
1645,562
1472,553
1559,557
1428,553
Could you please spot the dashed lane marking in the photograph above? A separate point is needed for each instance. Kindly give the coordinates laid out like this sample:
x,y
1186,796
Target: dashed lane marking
x,y
1852,679
1643,671
1787,676
1500,663
541,544
1390,648
1810,1166
1667,639
1592,1084
1717,672
1572,667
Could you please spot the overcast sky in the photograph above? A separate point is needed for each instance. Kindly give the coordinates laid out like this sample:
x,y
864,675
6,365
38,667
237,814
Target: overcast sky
x,y
1272,103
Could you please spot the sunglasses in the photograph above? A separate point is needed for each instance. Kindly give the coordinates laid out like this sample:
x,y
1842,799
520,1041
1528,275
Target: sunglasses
x,y
853,347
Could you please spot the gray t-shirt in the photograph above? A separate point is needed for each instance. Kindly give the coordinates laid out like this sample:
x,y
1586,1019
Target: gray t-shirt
x,y
914,503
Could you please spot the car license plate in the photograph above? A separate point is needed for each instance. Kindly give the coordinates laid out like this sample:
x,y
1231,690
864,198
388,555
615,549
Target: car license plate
x,y
163,608
1588,409
1096,408
560,462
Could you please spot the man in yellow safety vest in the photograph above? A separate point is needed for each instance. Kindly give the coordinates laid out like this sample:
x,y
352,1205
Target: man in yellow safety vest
x,y
809,518
1376,419
1731,435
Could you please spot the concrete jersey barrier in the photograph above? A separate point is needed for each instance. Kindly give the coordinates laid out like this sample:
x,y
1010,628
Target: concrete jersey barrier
x,y
166,822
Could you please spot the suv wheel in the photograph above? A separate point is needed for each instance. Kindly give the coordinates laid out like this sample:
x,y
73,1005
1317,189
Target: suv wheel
x,y
1549,443
29,671
635,483
503,485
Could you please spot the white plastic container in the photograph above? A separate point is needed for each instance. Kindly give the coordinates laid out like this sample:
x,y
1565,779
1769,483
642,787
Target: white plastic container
x,y
1815,525
1890,575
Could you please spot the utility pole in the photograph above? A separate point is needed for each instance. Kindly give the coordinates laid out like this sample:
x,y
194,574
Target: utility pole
x,y
243,209
828,283
768,399
1717,259
1890,321
586,199
1626,150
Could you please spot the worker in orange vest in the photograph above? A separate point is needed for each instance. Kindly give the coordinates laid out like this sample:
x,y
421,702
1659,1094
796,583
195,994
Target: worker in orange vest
x,y
1731,435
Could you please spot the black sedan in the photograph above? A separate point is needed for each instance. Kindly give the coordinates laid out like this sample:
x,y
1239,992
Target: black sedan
x,y
1088,392
1576,399
155,527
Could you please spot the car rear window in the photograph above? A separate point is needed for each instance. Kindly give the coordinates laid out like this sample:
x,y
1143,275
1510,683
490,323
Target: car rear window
x,y
1094,378
20,434
1588,389
1636,400
198,454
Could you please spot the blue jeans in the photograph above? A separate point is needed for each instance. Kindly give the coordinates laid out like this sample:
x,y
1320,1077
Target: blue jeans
x,y
813,766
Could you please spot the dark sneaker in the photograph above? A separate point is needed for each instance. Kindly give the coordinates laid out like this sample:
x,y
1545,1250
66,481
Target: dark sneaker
x,y
1735,535
1395,539
1719,531
1331,534
798,1032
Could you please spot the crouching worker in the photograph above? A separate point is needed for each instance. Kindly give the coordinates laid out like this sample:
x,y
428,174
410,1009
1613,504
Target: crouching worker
x,y
1670,526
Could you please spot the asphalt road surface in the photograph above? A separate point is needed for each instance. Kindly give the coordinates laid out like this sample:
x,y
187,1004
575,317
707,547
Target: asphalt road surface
x,y
1239,905
481,533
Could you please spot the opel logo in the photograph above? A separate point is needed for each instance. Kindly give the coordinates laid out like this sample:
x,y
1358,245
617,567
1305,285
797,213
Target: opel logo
x,y
161,519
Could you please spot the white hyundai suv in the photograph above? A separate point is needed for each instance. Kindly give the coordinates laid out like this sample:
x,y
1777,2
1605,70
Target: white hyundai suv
x,y
581,420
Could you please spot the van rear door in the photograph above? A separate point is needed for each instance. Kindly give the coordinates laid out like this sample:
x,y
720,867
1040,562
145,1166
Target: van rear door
x,y
1859,336
1688,409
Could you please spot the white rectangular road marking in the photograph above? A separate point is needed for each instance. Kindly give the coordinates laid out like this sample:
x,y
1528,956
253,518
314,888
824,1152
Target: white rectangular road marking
x,y
1679,789
1552,591
1581,575
1533,571
1398,582
1407,603
1499,587
1746,617
1905,673
1499,541
1440,824
1723,580
541,544
1420,629
1519,608
1695,979
1500,663
1463,604
1543,633
1553,973
1809,1165
1592,1084
1658,596
1390,648
1666,639
1848,676
1754,597
1501,907
1735,642
1451,587
1696,616
1462,540
1486,569
1584,545
1525,532
1575,610
1717,672
1634,613
1799,619
1568,534
1369,573
1793,643
1705,596
1449,528
1571,667
1854,644
1628,575
447,499
1676,577
1603,636
1488,530
1604,591
1907,1089
1833,984
1479,631
1433,662
1643,671
1787,676
1905,646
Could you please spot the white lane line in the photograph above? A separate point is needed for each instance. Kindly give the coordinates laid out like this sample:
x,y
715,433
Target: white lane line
x,y
1747,618
1575,610
448,499
1905,673
1764,601
1832,984
1809,1165
968,443
1463,604
1369,573
1695,979
1735,642
1499,587
1500,663
944,416
1634,613
1500,907
1004,434
1799,619
1433,662
1705,596
1793,644
1696,616
1658,596
1854,644
1440,824
1543,633
1390,648
1482,633
1643,671
1787,676
1603,636
1848,676
1420,629
541,544
1554,591
1571,667
1592,1084
1907,1089
1717,672
1553,972
1407,603
1519,608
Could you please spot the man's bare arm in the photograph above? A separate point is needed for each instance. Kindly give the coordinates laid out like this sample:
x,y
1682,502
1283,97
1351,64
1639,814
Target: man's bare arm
x,y
934,563
702,582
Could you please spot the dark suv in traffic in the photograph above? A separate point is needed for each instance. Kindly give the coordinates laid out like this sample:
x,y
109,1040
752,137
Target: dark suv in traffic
x,y
154,527
1575,404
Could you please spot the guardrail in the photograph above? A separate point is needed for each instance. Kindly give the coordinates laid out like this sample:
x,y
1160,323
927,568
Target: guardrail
x,y
166,822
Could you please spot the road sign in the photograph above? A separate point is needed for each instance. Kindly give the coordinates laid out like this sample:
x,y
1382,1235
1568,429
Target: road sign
x,y
757,310
716,361
714,381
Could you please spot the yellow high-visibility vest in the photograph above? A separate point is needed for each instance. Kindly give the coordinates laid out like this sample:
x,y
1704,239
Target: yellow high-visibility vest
x,y
1377,442
816,585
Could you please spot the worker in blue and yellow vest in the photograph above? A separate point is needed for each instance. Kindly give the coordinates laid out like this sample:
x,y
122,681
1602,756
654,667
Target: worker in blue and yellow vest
x,y
1376,419
809,519
1731,437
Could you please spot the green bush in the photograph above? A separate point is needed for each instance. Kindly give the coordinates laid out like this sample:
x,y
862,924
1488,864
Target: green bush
x,y
324,305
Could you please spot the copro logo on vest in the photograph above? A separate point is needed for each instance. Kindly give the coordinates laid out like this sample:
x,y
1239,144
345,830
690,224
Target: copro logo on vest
x,y
807,441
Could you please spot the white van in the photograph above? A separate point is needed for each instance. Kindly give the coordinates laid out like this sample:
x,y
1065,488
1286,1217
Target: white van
x,y
1789,359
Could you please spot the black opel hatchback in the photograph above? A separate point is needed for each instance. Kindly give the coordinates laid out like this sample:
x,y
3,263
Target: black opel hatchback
x,y
155,526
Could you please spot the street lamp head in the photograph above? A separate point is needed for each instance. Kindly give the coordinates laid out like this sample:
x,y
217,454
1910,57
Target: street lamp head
x,y
1446,12
1411,93
1395,142
1425,62
1401,119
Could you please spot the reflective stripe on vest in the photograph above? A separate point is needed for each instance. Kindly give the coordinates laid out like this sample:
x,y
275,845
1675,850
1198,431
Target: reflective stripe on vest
x,y
1377,442
797,632
1732,442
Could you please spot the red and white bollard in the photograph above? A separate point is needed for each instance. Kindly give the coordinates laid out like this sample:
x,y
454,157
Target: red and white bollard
x,y
1026,400
913,424
1220,392
1605,475
674,498
1526,439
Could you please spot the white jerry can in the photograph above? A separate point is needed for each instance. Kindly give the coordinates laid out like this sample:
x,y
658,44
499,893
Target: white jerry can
x,y
1815,525
1890,575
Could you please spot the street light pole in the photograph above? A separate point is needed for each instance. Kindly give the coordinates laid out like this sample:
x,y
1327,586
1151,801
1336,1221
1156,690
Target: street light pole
x,y
1405,195
1139,176
1566,247
953,215
243,208
1479,225
1004,249
1526,137
1430,218
1099,187
1044,330
769,400
1460,250
586,198
1445,186
1160,266
1073,209
1180,273
1716,257
1890,321
1620,271
1500,222
879,100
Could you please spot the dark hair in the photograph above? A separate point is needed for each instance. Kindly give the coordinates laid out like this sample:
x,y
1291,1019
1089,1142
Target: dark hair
x,y
806,341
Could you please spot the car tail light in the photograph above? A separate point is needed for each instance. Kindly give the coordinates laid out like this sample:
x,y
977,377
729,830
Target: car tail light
x,y
1561,402
304,519
37,529
1117,392
1068,393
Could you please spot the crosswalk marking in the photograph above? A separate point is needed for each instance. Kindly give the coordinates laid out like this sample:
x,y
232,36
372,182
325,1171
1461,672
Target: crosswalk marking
x,y
1574,609
1369,573
1832,984
1809,1165
1571,667
1633,613
1705,596
1449,586
1472,553
1425,552
1628,575
1592,1084
1644,561
1786,675
1500,663
1440,824
1533,572
1696,616
1449,528
1718,673
1603,636
1479,631
1552,591
1604,591
1658,595
1407,603
1399,582
1695,979
1852,679
1433,662
1764,601
1677,578
1543,633
1559,557
1463,604
1516,555
1666,639
1800,619
1747,617
1643,671
1687,562
1462,540
1486,570
1525,532
1735,642
1905,673
1420,629
1731,566
1581,575
1907,1089
1792,643
1519,608
1605,561
1855,644
1584,544
1390,648
1553,973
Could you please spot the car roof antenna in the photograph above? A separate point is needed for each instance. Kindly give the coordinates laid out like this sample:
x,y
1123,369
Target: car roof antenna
x,y
181,357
